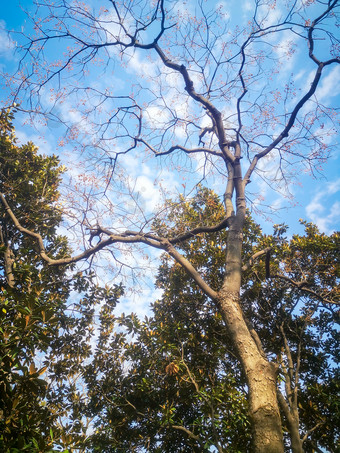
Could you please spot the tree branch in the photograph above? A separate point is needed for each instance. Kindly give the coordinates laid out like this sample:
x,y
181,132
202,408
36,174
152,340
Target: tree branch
x,y
188,432
189,87
289,125
305,437
303,285
129,237
178,147
8,260
256,255
204,229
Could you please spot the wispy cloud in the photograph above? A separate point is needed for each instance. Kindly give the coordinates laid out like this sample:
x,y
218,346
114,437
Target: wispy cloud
x,y
139,303
285,49
142,66
330,86
247,6
6,43
223,9
267,15
323,210
45,145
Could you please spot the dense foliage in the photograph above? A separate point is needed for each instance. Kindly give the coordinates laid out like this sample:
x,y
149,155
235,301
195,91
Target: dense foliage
x,y
42,330
32,296
75,377
172,381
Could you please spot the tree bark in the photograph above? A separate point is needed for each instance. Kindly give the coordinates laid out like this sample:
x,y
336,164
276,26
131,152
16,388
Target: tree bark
x,y
292,420
296,442
8,257
260,373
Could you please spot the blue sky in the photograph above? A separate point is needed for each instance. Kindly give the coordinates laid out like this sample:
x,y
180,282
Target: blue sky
x,y
313,199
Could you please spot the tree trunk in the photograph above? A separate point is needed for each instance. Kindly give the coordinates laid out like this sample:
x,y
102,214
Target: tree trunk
x,y
292,419
8,259
296,441
259,372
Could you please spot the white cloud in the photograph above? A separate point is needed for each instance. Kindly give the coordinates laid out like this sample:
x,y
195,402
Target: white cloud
x,y
299,75
268,16
285,50
325,223
6,43
222,7
138,303
140,64
156,116
148,192
322,210
247,6
113,31
277,203
330,86
334,187
44,144
148,183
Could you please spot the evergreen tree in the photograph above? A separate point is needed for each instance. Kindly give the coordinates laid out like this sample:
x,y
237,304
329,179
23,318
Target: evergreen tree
x,y
40,324
172,381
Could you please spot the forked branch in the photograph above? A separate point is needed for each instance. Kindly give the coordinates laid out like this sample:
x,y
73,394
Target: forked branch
x,y
128,237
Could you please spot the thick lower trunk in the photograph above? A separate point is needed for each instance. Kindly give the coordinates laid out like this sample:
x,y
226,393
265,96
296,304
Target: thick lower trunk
x,y
261,379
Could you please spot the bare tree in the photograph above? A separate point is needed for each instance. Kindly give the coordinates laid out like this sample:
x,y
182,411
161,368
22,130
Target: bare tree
x,y
208,100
